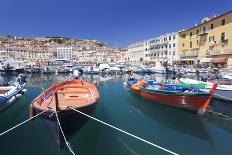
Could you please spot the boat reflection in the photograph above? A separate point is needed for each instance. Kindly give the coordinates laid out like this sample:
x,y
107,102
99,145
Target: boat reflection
x,y
221,121
70,124
175,119
221,107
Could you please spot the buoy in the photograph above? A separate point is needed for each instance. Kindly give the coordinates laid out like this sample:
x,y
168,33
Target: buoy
x,y
32,112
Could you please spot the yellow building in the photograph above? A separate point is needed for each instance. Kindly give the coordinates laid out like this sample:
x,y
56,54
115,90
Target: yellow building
x,y
210,41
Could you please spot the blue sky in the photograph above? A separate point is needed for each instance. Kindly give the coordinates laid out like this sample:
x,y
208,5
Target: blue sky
x,y
115,22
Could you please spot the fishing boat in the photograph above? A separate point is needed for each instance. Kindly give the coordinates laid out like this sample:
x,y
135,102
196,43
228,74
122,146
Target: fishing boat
x,y
11,91
60,98
194,100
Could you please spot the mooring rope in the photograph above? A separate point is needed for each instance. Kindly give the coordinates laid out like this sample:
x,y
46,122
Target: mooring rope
x,y
23,122
141,139
66,142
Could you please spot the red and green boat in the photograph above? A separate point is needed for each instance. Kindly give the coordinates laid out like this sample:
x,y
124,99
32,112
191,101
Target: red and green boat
x,y
188,97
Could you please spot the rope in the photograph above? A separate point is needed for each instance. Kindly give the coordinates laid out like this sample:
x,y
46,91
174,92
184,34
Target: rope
x,y
67,143
136,137
23,122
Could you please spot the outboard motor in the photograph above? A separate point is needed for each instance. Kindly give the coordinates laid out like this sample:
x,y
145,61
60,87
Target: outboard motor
x,y
21,78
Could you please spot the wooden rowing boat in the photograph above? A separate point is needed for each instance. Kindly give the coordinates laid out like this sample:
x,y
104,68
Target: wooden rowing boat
x,y
80,95
195,100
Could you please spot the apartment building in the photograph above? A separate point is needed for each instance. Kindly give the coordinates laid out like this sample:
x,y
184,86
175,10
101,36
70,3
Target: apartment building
x,y
65,52
138,52
164,49
208,42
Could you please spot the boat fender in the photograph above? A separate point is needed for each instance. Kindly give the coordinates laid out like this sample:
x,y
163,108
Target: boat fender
x,y
18,95
141,84
32,112
24,90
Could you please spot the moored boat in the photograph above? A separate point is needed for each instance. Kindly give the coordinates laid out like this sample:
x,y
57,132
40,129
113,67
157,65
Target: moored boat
x,y
60,98
195,100
10,91
223,91
209,84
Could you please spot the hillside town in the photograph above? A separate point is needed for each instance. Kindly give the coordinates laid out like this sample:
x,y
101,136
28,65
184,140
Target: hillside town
x,y
206,44
42,50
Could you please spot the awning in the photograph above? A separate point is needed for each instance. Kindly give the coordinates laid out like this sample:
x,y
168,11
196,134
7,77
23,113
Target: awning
x,y
205,60
219,60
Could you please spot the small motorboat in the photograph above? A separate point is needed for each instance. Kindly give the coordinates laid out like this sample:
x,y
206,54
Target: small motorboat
x,y
10,91
60,98
208,84
191,99
223,92
92,70
48,70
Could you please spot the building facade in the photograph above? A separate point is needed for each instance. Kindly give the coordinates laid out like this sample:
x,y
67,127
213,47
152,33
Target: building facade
x,y
65,52
162,49
208,42
138,52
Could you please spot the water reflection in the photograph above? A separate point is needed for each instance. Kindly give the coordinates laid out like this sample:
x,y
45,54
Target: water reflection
x,y
92,138
70,125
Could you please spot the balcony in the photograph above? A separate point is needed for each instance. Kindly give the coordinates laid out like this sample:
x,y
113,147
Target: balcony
x,y
201,33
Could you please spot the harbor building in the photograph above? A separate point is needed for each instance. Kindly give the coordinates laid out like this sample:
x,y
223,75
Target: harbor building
x,y
138,52
164,49
208,42
65,52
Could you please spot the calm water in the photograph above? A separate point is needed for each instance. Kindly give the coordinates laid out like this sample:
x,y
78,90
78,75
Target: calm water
x,y
174,129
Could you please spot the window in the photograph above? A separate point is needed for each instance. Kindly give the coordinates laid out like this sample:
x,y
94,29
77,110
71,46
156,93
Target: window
x,y
170,45
174,37
191,44
197,31
223,22
183,35
174,53
204,29
197,42
211,26
170,38
191,34
183,45
211,39
222,36
174,44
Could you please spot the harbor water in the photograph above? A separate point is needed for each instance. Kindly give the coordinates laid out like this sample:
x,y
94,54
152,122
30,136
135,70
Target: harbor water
x,y
179,131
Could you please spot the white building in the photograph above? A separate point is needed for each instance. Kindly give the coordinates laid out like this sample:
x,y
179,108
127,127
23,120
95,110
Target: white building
x,y
138,52
65,52
162,49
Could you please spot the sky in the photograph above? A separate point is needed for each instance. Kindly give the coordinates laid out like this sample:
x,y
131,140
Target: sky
x,y
114,22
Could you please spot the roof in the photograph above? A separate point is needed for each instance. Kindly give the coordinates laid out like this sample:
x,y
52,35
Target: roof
x,y
208,21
